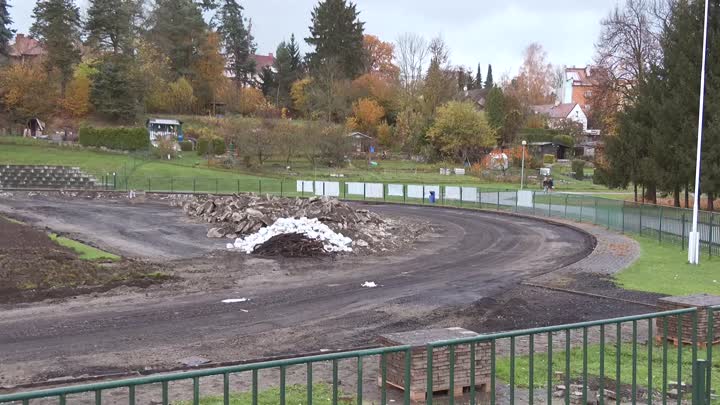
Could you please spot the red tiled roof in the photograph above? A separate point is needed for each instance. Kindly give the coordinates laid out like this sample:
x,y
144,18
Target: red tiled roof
x,y
559,111
262,61
26,46
585,76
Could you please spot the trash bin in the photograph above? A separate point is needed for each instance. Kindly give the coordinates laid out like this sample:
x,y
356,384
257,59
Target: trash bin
x,y
432,197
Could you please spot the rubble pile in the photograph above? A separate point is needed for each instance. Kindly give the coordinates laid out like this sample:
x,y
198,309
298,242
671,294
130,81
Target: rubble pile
x,y
310,229
290,245
241,215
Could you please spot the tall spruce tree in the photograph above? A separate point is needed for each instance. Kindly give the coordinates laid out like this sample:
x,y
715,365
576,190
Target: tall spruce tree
x,y
6,33
110,25
296,59
57,27
284,76
237,40
177,28
489,78
478,78
337,34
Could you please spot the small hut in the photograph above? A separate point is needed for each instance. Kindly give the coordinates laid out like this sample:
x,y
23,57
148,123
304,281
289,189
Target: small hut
x,y
163,128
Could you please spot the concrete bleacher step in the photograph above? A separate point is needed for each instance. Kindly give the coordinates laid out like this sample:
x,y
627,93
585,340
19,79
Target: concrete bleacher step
x,y
42,176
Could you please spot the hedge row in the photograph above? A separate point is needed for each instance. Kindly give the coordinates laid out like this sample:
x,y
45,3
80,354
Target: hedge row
x,y
115,138
213,146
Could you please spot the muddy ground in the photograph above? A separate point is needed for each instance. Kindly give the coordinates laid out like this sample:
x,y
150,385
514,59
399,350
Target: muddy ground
x,y
465,271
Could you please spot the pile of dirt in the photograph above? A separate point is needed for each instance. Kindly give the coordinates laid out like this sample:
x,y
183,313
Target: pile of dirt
x,y
33,267
291,245
244,214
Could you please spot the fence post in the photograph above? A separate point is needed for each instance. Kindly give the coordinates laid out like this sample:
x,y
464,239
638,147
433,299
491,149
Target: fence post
x,y
345,189
608,218
498,200
581,207
595,214
172,188
566,203
549,205
682,236
710,238
517,195
623,216
260,186
217,187
238,185
281,187
404,186
149,185
660,217
193,185
479,197
461,196
384,198
364,193
442,194
641,206
423,196
699,376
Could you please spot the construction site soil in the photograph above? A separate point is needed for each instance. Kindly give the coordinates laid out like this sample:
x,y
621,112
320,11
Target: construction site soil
x,y
465,270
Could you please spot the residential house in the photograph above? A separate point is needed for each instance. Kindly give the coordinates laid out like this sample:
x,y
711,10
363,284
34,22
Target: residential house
x,y
557,113
261,62
578,86
25,49
477,96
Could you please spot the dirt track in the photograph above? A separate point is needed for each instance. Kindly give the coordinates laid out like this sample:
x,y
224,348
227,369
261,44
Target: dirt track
x,y
454,276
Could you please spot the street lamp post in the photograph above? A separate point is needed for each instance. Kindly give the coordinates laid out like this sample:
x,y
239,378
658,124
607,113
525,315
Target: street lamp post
x,y
522,167
694,236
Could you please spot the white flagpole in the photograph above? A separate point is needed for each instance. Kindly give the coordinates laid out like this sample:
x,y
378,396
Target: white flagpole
x,y
694,237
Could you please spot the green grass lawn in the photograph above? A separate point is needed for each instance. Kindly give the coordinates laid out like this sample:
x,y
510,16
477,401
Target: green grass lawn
x,y
540,366
664,269
138,167
294,394
84,251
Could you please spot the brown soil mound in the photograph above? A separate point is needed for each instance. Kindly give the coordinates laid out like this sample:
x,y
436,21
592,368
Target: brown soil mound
x,y
291,245
33,267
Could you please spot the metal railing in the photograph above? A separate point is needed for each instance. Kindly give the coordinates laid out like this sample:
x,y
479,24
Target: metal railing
x,y
619,360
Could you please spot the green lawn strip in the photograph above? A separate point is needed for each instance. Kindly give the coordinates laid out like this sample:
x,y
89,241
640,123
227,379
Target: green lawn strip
x,y
663,269
84,251
294,394
139,166
522,366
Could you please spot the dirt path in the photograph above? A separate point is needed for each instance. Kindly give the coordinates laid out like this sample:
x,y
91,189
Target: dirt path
x,y
446,280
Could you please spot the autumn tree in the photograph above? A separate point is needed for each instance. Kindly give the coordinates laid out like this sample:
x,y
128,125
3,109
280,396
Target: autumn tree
x,y
237,40
379,57
534,84
76,103
336,34
6,33
328,92
25,92
439,86
182,96
154,75
208,70
412,53
57,27
299,94
367,114
378,88
460,131
410,128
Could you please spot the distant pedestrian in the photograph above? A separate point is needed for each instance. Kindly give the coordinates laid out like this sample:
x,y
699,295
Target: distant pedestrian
x,y
551,184
545,184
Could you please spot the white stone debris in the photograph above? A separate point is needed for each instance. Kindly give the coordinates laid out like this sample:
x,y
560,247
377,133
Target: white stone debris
x,y
311,228
369,284
234,300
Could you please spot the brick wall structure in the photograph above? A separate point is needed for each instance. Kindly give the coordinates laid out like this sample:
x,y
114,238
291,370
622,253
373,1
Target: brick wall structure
x,y
700,301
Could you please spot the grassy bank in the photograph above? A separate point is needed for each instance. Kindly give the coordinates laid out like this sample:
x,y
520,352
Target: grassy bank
x,y
664,269
294,394
84,252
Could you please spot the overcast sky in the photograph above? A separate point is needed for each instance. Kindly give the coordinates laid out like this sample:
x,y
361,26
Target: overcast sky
x,y
484,31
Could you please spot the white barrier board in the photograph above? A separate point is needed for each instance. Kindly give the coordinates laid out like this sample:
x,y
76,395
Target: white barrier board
x,y
355,188
470,194
395,190
452,193
525,198
374,190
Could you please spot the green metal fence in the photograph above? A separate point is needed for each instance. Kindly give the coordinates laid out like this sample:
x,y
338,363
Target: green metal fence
x,y
629,360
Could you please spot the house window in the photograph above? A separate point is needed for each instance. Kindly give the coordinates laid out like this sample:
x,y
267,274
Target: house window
x,y
588,94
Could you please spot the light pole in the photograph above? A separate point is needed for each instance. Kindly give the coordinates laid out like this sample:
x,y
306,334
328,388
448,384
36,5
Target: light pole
x,y
694,236
522,167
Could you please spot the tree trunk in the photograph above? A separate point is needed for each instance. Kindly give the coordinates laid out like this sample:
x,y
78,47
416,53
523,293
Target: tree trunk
x,y
650,193
635,190
676,196
687,196
711,202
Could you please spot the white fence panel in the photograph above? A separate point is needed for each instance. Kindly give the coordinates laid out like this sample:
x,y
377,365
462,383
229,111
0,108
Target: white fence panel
x,y
414,191
436,189
328,188
355,188
395,190
452,193
306,186
374,190
525,198
470,194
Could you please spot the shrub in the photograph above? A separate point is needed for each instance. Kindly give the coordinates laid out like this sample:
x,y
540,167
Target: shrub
x,y
210,145
115,138
186,146
578,166
548,159
566,140
165,147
